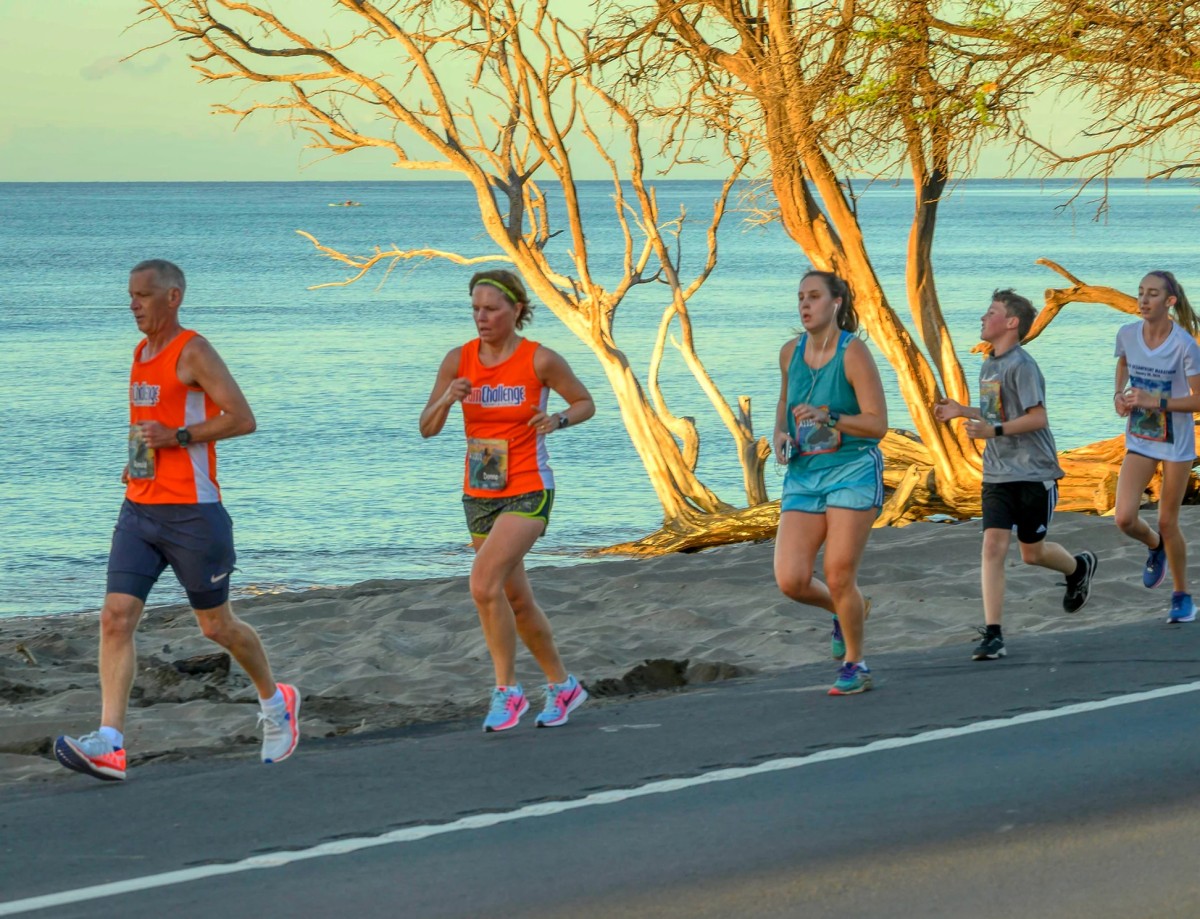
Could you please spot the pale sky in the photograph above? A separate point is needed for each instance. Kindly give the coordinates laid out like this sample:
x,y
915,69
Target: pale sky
x,y
73,112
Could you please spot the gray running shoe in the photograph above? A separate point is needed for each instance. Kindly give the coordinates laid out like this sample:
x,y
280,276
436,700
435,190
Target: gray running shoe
x,y
1078,588
990,648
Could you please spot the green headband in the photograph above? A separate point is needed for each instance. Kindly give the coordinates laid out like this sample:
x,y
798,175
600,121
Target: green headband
x,y
503,288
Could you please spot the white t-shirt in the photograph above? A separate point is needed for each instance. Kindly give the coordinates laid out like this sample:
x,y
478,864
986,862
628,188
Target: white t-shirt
x,y
1163,371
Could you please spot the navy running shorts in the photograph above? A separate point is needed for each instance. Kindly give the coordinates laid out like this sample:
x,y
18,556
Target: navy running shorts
x,y
196,540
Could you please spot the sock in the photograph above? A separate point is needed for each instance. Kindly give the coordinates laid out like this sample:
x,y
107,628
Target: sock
x,y
1158,548
274,705
994,630
1079,568
1179,594
113,736
565,684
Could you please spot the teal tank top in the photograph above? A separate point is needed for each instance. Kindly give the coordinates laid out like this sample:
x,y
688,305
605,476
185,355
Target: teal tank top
x,y
827,387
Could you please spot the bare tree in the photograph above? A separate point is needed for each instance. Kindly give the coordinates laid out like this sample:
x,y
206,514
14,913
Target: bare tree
x,y
1133,65
822,89
492,90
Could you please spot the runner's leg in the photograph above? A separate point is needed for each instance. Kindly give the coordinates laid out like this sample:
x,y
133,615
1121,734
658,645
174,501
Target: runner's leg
x,y
495,560
119,619
845,542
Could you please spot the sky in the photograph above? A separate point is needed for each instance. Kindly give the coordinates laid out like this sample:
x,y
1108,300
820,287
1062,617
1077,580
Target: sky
x,y
81,114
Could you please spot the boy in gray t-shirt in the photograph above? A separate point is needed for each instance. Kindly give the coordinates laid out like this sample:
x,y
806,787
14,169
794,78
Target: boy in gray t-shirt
x,y
1020,466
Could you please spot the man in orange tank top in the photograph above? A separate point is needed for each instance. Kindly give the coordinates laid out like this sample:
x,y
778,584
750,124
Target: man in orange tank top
x,y
182,399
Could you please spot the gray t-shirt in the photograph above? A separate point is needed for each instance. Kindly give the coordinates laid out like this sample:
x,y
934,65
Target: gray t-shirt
x,y
1009,386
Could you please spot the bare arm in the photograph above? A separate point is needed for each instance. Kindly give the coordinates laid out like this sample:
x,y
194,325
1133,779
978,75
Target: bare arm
x,y
949,408
781,438
200,365
1033,420
447,389
1119,401
554,371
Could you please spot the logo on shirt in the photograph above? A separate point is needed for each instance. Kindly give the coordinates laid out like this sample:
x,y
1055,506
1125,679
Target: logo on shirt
x,y
143,394
496,396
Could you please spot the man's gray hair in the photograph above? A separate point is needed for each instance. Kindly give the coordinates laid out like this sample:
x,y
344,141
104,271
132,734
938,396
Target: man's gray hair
x,y
168,274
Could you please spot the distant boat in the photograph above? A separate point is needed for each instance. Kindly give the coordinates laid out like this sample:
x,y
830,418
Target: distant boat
x,y
346,204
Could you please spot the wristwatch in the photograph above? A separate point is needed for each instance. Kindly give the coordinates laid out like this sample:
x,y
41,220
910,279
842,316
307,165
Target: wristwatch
x,y
833,419
184,436
563,420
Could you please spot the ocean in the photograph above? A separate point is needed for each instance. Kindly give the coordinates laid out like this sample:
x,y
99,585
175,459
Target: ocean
x,y
337,486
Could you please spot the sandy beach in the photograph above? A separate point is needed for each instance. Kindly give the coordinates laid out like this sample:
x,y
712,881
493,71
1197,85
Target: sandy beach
x,y
384,653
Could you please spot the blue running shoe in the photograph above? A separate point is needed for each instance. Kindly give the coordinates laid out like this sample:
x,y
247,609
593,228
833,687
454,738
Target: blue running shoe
x,y
837,644
561,700
1156,566
508,705
1182,608
851,679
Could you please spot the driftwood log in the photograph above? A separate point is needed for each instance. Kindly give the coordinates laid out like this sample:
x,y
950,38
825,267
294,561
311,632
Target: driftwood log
x,y
1089,487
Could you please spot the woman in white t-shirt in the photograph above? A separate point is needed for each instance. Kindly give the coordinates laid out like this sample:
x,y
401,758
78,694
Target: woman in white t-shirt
x,y
1158,390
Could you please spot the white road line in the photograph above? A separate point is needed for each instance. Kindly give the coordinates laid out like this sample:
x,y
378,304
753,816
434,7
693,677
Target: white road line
x,y
549,808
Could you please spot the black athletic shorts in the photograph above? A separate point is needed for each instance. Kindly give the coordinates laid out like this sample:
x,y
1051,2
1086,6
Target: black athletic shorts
x,y
1028,506
196,540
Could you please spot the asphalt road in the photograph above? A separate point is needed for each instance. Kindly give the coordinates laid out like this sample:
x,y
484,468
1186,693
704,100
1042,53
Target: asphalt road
x,y
759,798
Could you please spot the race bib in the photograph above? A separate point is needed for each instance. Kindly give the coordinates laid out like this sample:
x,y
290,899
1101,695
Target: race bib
x,y
991,406
141,455
487,463
1151,423
813,438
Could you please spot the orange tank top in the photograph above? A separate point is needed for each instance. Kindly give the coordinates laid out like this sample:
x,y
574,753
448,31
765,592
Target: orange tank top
x,y
505,456
171,475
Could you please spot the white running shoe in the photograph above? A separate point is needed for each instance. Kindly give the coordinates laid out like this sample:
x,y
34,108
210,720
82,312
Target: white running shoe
x,y
281,733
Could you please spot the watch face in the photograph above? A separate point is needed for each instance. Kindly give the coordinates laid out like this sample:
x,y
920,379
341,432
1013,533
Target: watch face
x,y
183,436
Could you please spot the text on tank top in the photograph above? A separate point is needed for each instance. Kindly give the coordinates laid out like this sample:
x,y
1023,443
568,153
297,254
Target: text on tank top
x,y
505,456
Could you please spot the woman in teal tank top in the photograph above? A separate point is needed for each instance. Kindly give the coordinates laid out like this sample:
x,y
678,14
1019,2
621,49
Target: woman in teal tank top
x,y
831,417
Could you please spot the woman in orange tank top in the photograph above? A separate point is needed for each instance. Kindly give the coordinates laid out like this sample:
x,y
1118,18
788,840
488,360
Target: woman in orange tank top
x,y
503,382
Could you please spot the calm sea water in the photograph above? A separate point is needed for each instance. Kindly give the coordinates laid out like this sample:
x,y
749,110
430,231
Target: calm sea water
x,y
337,486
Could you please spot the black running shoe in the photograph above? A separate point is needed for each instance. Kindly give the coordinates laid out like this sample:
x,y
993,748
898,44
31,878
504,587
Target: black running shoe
x,y
1079,587
990,648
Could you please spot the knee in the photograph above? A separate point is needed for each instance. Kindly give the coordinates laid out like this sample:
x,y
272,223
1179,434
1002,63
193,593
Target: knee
x,y
1168,520
1126,520
217,629
796,585
994,550
839,578
117,621
485,589
1033,553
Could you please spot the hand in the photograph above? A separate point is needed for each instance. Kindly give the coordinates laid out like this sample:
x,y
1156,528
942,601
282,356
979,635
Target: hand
x,y
784,446
158,435
458,390
125,475
814,414
543,423
1140,398
979,429
945,409
1121,403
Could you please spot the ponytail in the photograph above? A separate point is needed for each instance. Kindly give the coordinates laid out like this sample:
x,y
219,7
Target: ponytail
x,y
1184,314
